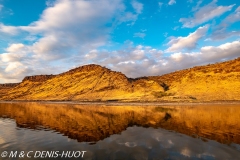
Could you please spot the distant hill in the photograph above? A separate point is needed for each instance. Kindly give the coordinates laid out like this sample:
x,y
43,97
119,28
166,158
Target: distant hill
x,y
220,81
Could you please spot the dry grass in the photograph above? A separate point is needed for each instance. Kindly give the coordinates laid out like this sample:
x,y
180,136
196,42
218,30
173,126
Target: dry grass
x,y
219,81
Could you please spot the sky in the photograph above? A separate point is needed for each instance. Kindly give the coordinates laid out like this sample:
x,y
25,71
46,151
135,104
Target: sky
x,y
135,37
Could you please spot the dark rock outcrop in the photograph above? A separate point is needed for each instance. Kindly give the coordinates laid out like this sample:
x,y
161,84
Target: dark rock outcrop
x,y
38,78
8,85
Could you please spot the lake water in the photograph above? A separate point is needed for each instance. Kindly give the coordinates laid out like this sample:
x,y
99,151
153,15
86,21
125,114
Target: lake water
x,y
119,132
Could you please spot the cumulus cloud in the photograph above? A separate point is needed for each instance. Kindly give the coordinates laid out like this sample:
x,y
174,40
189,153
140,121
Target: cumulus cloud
x,y
63,38
13,63
145,61
8,29
224,51
79,30
171,2
189,42
207,54
205,14
84,29
137,6
15,47
65,29
18,62
134,61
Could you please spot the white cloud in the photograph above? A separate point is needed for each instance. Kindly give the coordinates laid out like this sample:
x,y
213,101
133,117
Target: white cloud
x,y
194,9
177,56
189,42
81,30
186,152
65,30
205,14
55,44
176,28
15,47
50,3
19,62
143,61
208,54
160,4
220,31
171,2
134,61
139,34
137,6
234,17
13,64
129,16
1,7
8,29
92,54
224,51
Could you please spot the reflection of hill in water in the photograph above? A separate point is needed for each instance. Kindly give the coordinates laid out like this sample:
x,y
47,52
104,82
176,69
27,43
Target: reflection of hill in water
x,y
94,123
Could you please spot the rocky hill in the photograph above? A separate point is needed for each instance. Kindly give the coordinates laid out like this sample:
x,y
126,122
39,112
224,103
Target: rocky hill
x,y
86,83
38,78
4,88
220,81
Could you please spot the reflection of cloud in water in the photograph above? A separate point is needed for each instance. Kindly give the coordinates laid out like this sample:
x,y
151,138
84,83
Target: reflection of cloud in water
x,y
206,156
5,139
130,144
133,143
186,152
145,145
120,141
170,142
2,141
136,143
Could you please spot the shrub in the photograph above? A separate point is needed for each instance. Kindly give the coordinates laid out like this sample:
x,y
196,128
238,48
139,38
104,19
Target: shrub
x,y
162,94
192,97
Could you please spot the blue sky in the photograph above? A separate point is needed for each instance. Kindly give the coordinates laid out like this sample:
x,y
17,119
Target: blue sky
x,y
136,37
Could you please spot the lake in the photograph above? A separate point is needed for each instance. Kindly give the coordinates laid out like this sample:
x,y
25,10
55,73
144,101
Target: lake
x,y
104,132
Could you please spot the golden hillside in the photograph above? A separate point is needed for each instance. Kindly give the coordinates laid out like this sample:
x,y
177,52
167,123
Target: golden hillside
x,y
220,81
4,88
90,82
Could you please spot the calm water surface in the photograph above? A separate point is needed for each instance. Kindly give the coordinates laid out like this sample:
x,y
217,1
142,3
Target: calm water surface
x,y
122,132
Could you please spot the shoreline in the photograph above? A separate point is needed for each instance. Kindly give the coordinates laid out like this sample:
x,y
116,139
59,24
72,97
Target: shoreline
x,y
119,103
